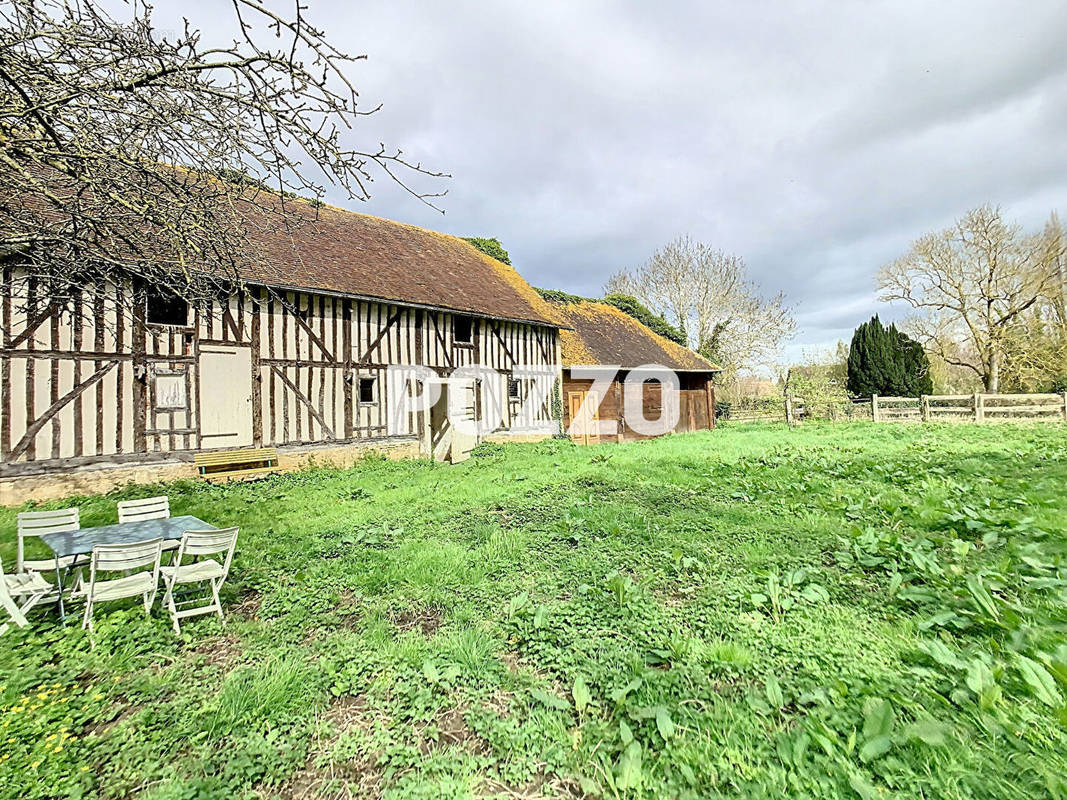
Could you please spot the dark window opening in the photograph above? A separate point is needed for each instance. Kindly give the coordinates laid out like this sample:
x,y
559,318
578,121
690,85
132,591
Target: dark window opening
x,y
513,389
165,308
462,330
366,390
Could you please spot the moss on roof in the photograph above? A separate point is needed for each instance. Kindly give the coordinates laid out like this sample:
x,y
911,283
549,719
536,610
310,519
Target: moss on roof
x,y
597,333
331,249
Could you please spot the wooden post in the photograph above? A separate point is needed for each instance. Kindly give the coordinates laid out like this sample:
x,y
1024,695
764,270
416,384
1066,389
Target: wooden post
x,y
789,410
924,407
874,408
711,405
1065,406
979,407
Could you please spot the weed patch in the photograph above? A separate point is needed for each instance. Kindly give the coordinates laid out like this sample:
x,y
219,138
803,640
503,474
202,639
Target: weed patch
x,y
831,611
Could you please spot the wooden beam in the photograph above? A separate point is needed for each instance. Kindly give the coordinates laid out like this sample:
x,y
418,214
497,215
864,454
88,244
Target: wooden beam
x,y
507,350
389,322
70,355
542,347
228,322
35,322
140,372
306,401
300,321
56,407
346,376
5,367
257,375
440,336
31,371
98,345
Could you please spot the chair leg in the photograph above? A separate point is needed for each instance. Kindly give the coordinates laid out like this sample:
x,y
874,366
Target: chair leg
x,y
168,598
15,612
29,604
87,617
218,602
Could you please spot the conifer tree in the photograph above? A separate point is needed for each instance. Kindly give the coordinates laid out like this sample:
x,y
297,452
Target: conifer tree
x,y
882,360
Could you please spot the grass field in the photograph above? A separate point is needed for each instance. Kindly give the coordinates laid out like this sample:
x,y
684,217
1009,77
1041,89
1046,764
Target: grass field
x,y
832,611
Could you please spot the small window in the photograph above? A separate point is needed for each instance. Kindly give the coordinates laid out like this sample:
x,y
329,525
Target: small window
x,y
513,389
366,390
170,390
165,308
462,330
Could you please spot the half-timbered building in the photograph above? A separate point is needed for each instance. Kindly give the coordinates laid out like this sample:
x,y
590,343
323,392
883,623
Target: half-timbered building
x,y
600,341
295,356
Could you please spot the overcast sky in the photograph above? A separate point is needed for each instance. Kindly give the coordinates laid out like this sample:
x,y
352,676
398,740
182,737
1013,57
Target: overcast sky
x,y
814,139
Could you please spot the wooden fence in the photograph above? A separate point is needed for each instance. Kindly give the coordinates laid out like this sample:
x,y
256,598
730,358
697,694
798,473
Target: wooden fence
x,y
971,408
927,408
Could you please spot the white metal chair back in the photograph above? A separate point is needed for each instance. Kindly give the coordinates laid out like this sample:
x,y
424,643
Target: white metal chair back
x,y
148,508
38,523
196,544
126,558
209,543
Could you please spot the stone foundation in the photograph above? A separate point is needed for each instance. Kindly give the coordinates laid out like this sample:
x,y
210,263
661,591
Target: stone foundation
x,y
101,478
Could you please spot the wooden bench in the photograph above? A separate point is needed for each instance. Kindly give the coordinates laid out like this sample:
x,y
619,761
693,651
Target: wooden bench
x,y
236,463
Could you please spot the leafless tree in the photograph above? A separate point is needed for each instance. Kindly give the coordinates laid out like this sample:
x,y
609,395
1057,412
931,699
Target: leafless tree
x,y
1056,242
708,295
974,283
126,153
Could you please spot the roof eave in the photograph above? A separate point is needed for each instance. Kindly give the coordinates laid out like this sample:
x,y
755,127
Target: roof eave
x,y
409,303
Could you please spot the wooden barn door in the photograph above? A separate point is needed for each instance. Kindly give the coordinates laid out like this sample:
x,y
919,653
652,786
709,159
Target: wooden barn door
x,y
225,396
585,417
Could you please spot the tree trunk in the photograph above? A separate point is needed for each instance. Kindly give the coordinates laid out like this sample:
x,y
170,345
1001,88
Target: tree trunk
x,y
992,376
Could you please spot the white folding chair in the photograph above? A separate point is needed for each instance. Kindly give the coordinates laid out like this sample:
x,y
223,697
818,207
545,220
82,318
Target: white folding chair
x,y
122,558
141,510
146,509
220,543
38,523
20,593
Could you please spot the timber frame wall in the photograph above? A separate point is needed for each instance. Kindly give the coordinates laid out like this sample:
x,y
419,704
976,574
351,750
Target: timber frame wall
x,y
696,403
78,383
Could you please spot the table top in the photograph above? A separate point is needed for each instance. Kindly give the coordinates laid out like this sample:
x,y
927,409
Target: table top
x,y
80,542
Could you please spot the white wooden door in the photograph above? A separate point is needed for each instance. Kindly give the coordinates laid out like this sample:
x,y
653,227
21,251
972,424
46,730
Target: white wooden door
x,y
225,396
466,402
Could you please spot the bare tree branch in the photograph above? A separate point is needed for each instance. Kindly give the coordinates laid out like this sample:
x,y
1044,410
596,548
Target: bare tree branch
x,y
707,294
975,283
127,154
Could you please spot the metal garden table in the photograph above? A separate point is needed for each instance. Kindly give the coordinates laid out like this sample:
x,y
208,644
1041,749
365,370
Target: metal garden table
x,y
82,542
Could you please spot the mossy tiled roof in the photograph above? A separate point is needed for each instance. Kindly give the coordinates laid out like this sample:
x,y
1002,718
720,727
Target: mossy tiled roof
x,y
331,249
598,333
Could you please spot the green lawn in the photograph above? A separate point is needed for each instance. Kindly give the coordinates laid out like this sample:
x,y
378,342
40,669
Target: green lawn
x,y
832,611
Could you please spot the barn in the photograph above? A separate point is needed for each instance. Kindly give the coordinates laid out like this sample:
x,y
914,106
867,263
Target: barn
x,y
597,335
295,357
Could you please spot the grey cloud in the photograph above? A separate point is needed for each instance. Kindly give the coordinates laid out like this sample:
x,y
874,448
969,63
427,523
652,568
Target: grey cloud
x,y
815,139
